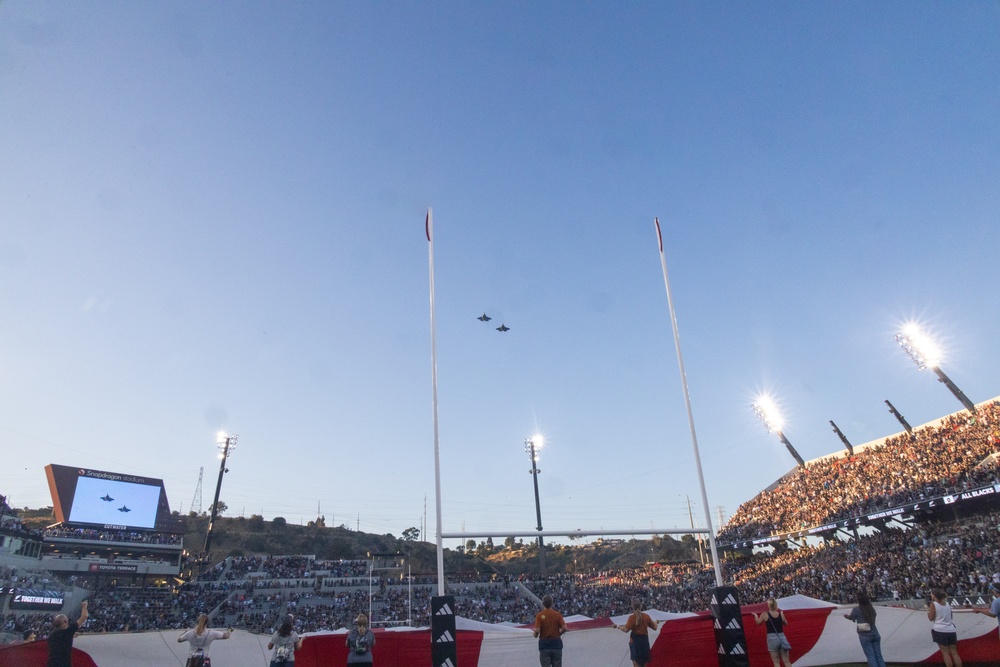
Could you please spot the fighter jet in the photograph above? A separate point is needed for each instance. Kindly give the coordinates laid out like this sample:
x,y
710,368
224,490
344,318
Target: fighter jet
x,y
107,499
124,508
484,318
502,328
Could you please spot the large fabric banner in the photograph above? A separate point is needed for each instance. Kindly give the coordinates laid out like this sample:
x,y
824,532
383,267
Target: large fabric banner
x,y
817,630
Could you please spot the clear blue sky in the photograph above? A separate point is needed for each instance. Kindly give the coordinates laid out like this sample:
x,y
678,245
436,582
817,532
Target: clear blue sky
x,y
211,217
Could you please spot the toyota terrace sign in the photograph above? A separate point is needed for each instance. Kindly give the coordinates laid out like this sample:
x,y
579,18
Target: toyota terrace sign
x,y
112,567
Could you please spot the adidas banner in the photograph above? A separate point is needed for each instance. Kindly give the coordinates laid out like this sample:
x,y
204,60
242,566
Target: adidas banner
x,y
444,652
729,636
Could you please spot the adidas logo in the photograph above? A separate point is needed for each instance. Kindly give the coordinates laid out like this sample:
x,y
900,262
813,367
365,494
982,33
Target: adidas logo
x,y
445,638
447,663
717,626
722,651
444,611
738,650
733,625
729,599
714,600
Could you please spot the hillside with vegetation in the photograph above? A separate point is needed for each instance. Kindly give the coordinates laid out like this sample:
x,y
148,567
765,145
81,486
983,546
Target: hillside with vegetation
x,y
238,536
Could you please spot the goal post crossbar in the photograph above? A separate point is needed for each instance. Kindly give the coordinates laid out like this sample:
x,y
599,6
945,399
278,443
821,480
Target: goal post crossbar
x,y
577,533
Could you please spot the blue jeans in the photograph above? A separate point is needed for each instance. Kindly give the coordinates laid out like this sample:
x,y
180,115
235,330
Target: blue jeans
x,y
871,644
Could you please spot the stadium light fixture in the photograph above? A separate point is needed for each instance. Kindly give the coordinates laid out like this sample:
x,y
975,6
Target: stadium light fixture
x,y
925,354
843,438
899,417
769,416
226,444
531,447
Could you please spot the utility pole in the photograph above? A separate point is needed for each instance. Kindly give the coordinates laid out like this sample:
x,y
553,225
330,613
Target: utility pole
x,y
701,546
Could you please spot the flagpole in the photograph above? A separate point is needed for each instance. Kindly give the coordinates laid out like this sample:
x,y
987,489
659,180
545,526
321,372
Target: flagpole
x,y
429,229
690,415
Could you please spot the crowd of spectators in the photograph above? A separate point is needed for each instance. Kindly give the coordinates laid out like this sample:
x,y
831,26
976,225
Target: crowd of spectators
x,y
963,558
932,461
20,578
103,535
10,522
894,565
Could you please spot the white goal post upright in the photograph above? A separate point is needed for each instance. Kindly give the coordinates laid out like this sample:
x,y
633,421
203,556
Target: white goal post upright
x,y
690,415
429,229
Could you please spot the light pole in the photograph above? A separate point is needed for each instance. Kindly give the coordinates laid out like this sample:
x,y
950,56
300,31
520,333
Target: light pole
x,y
924,354
843,438
226,443
769,417
901,418
531,447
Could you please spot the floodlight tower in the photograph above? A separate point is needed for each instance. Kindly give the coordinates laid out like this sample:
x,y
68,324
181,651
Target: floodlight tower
x,y
769,417
899,417
922,351
226,443
843,438
531,447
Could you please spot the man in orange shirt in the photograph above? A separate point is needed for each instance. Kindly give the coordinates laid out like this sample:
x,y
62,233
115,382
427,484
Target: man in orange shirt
x,y
549,628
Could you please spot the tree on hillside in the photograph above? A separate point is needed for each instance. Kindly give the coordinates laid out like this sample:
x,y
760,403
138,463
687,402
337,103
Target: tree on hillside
x,y
411,534
510,542
279,522
220,508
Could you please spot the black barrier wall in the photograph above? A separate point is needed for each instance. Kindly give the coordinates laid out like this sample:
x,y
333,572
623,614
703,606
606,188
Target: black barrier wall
x,y
444,652
730,639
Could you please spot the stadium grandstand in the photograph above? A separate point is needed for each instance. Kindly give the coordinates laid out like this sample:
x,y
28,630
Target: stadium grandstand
x,y
899,516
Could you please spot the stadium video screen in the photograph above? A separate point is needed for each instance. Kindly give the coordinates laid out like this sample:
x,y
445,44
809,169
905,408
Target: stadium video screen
x,y
109,502
107,499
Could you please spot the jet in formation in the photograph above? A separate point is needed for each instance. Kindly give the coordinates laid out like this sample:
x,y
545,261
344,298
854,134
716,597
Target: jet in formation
x,y
107,499
124,508
486,318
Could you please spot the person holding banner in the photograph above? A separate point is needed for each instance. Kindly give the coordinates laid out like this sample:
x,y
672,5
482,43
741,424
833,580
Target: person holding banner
x,y
943,632
638,624
777,643
201,638
61,638
549,629
994,609
864,622
360,641
284,643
